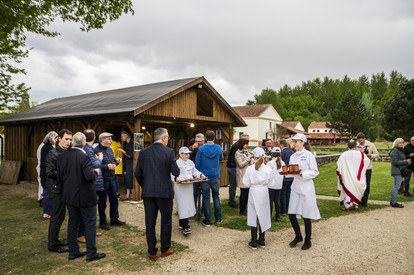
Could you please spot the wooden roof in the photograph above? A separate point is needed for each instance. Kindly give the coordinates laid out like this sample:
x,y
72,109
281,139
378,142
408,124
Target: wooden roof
x,y
132,100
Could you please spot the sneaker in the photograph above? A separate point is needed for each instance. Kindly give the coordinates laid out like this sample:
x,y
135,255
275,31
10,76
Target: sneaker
x,y
261,243
205,224
104,226
180,227
117,223
408,195
187,231
398,205
252,245
219,222
295,241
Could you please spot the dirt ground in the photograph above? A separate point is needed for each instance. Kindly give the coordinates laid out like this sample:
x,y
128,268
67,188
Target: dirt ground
x,y
375,242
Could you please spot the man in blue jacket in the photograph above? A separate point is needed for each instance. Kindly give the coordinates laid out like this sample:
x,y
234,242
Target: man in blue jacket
x,y
108,173
208,162
153,172
287,182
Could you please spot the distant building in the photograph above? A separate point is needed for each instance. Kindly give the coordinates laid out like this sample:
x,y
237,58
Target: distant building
x,y
261,120
320,134
290,128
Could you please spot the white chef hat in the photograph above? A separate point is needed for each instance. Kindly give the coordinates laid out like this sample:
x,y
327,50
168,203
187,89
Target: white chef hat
x,y
301,137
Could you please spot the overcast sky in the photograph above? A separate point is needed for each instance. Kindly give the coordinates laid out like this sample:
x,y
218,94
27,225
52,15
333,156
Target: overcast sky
x,y
240,46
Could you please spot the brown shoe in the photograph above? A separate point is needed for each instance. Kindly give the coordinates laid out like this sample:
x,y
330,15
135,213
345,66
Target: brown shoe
x,y
167,253
81,239
152,257
125,199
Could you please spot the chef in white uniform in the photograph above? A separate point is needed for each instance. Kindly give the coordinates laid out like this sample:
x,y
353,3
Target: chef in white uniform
x,y
184,190
302,197
277,181
258,178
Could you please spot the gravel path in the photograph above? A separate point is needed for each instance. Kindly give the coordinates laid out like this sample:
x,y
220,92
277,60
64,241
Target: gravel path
x,y
375,242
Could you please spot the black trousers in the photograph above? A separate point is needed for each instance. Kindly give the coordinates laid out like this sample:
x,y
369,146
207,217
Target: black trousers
x,y
58,216
296,227
184,223
364,199
274,197
244,198
152,205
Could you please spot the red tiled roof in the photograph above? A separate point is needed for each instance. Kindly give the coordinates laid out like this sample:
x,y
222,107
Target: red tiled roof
x,y
321,136
292,129
251,110
317,124
291,124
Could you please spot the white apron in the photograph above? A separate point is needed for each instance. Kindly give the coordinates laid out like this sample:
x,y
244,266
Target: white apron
x,y
302,196
184,194
258,204
277,178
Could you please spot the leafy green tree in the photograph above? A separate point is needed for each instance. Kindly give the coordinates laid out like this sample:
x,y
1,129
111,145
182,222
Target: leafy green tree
x,y
20,17
399,113
350,116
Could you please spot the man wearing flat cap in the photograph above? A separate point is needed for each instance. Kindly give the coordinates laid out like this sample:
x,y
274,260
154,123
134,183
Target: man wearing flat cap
x,y
108,172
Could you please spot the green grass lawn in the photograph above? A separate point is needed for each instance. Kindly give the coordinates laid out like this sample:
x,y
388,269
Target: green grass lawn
x,y
379,145
381,182
23,250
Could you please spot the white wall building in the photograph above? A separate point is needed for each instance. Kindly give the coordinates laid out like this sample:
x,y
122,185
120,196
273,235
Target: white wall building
x,y
260,120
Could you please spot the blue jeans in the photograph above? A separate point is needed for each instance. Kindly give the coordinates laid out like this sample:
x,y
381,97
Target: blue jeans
x,y
232,185
110,190
88,215
406,181
214,185
47,203
285,196
394,191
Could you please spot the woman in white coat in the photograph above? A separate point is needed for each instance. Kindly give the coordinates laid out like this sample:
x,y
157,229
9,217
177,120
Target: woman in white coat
x,y
243,160
184,190
258,178
277,181
302,197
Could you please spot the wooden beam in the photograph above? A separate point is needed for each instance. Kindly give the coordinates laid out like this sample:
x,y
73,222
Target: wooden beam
x,y
83,125
136,192
131,128
226,133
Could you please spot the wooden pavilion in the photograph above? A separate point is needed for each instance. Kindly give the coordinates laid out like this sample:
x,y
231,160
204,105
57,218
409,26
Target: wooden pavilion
x,y
185,107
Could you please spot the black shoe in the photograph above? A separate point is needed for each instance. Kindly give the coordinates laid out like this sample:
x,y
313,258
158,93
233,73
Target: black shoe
x,y
244,213
63,243
252,245
277,219
117,223
408,195
104,226
97,256
364,204
81,254
234,205
59,249
295,241
398,205
261,243
306,245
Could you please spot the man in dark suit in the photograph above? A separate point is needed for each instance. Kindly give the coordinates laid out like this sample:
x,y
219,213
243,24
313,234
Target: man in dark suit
x,y
153,173
77,176
287,182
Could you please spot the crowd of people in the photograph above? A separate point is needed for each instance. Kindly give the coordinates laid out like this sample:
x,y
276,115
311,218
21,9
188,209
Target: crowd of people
x,y
79,174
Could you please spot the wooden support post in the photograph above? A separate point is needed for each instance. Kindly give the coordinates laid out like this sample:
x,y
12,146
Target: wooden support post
x,y
137,189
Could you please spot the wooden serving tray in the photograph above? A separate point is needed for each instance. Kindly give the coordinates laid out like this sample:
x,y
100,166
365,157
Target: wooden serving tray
x,y
290,173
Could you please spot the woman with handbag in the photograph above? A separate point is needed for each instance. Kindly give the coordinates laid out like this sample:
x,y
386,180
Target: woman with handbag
x,y
398,164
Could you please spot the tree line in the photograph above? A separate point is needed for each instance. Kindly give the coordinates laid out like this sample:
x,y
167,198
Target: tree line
x,y
348,105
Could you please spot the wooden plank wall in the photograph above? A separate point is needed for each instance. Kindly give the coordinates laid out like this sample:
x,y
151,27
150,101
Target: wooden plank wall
x,y
184,105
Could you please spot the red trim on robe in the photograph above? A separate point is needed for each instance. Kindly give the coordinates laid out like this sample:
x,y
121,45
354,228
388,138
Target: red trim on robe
x,y
350,195
361,166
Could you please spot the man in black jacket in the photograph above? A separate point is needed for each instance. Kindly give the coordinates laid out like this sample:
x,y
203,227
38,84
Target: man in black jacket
x,y
409,154
54,188
153,173
77,177
108,173
231,172
287,182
